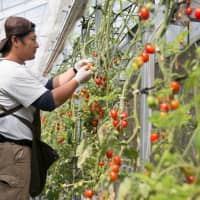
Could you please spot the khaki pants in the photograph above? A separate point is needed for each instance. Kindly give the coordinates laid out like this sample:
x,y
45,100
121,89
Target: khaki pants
x,y
14,171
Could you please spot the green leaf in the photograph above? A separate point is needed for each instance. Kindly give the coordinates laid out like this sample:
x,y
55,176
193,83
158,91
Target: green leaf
x,y
125,189
130,153
176,118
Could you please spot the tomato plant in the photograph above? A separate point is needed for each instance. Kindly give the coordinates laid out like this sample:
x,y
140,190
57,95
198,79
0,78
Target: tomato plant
x,y
137,119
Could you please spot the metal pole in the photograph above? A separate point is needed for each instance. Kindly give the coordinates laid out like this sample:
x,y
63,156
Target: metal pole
x,y
147,81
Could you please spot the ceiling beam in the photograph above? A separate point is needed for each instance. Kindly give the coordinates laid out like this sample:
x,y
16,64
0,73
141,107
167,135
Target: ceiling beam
x,y
76,10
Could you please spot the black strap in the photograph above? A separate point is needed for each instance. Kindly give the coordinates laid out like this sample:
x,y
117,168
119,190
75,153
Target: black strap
x,y
24,121
11,111
8,112
35,127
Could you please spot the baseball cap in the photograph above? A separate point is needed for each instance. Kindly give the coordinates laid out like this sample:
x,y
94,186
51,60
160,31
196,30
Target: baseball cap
x,y
18,26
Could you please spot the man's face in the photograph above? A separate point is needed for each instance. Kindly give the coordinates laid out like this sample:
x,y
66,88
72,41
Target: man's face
x,y
27,47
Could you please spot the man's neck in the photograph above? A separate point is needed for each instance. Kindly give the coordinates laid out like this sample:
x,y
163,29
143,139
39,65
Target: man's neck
x,y
13,58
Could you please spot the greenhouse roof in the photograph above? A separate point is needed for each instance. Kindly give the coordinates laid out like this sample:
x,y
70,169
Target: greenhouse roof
x,y
53,19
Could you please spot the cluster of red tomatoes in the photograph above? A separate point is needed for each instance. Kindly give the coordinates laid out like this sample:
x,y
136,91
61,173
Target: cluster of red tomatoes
x,y
100,81
119,120
144,57
114,166
165,104
170,103
196,11
98,111
113,163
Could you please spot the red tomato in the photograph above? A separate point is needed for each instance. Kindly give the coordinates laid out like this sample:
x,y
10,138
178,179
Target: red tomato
x,y
109,153
149,48
114,113
116,123
110,164
113,176
144,13
164,107
116,61
175,86
154,137
188,11
117,160
115,168
190,179
124,123
83,91
145,56
61,140
101,114
103,77
69,114
98,81
174,104
88,193
101,163
94,122
124,115
197,13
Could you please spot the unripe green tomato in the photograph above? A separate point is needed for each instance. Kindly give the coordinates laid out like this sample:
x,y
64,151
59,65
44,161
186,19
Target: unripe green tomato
x,y
134,66
152,101
157,157
149,166
149,5
94,69
155,148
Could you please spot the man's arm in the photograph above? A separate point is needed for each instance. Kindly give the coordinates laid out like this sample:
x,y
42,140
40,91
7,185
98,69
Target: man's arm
x,y
57,96
63,78
69,74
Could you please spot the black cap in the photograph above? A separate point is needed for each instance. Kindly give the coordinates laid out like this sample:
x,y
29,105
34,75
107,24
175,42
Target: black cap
x,y
18,26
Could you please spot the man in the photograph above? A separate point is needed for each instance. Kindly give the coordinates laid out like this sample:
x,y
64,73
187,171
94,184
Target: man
x,y
18,86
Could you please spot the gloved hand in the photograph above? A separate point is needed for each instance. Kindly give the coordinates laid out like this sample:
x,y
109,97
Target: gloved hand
x,y
83,75
81,63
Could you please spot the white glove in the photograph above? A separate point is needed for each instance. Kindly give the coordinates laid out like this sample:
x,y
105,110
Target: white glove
x,y
82,63
83,75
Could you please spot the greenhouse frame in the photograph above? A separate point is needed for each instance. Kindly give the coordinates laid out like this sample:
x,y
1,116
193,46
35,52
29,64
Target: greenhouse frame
x,y
132,132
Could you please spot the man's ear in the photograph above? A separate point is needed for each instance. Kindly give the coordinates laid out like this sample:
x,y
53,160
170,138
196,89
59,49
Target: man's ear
x,y
14,40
